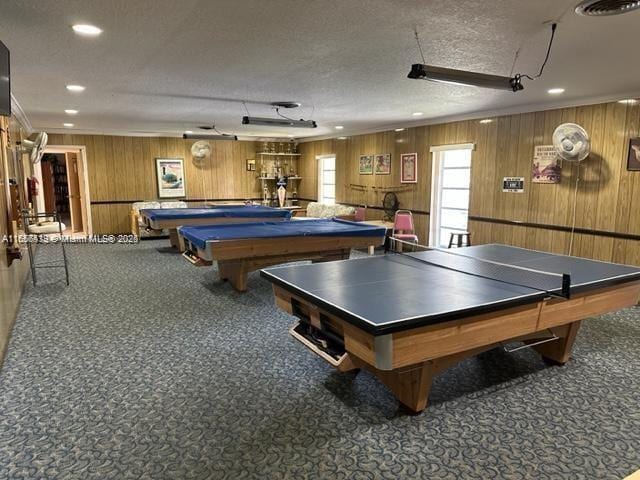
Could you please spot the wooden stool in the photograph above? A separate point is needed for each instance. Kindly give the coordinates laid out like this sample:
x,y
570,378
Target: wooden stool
x,y
458,237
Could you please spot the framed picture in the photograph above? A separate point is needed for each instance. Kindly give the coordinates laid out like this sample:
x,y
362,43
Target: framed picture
x,y
545,167
633,162
366,165
409,168
382,163
170,173
251,164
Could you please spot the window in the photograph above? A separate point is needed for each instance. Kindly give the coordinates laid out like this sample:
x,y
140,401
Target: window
x,y
449,192
327,179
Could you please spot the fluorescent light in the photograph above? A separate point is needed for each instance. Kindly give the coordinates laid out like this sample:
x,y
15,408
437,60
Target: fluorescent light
x,y
338,127
71,111
290,136
399,130
462,77
278,122
75,88
486,120
68,125
628,101
208,136
188,132
417,114
342,138
555,91
87,30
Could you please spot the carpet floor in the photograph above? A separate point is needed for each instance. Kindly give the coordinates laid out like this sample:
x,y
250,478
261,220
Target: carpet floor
x,y
149,368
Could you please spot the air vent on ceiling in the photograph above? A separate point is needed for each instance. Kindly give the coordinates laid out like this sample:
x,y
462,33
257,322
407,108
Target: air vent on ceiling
x,y
597,8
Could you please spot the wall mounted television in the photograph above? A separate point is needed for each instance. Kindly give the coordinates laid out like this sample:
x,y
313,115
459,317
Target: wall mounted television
x,y
5,81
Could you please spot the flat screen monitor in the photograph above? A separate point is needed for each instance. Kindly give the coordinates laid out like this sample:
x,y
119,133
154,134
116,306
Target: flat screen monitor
x,y
5,82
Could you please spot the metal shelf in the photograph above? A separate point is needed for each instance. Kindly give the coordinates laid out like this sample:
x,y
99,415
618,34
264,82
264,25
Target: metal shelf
x,y
280,154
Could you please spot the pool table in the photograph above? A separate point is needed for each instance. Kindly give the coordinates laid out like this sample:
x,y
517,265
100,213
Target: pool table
x,y
240,249
172,218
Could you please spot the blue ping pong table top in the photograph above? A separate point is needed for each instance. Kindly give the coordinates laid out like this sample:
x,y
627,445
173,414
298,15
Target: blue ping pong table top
x,y
221,211
396,292
332,227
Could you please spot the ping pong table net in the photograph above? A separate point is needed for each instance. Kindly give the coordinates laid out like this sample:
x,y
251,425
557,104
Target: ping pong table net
x,y
551,283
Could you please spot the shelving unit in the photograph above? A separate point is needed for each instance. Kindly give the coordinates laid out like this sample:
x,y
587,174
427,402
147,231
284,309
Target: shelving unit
x,y
274,165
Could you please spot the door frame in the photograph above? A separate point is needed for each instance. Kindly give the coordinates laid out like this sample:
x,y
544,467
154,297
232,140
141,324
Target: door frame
x,y
436,193
81,151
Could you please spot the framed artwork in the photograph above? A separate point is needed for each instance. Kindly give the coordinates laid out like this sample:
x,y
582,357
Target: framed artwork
x,y
366,165
382,163
633,162
409,168
251,164
170,174
545,165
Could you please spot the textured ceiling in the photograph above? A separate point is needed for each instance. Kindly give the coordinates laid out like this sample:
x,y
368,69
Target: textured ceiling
x,y
165,66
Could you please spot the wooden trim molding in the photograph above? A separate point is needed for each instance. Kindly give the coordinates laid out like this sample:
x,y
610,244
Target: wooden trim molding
x,y
558,228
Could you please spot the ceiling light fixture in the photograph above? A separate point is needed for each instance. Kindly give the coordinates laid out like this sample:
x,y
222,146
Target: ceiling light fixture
x,y
628,101
599,8
87,30
68,125
399,130
342,138
417,114
75,88
71,111
555,91
208,136
279,122
486,120
188,132
422,71
338,127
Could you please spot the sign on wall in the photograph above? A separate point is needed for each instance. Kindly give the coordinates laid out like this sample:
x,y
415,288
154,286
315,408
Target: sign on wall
x,y
545,165
513,184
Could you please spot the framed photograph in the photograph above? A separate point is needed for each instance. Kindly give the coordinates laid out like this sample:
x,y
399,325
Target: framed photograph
x,y
170,173
251,164
409,168
633,162
366,165
382,163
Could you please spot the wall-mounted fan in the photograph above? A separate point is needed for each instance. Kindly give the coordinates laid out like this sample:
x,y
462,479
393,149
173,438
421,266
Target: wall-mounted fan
x,y
35,148
200,152
571,141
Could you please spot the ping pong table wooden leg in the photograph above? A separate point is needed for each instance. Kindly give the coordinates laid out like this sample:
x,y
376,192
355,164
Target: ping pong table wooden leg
x,y
410,385
560,350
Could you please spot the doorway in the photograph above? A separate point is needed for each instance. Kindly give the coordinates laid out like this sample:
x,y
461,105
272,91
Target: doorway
x,y
64,185
451,182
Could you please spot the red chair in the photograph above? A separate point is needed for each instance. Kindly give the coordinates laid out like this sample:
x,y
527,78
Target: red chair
x,y
403,227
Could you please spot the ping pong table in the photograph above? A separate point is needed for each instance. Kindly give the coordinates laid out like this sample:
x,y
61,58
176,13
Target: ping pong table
x,y
240,249
408,317
172,218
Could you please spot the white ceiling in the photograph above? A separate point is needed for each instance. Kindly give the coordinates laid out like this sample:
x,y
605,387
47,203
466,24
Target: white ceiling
x,y
165,66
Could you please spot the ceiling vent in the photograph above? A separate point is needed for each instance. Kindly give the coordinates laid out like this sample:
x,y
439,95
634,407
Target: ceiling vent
x,y
598,8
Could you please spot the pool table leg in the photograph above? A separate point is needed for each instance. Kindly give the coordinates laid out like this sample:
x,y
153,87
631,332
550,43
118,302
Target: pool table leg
x,y
410,385
173,238
559,351
234,273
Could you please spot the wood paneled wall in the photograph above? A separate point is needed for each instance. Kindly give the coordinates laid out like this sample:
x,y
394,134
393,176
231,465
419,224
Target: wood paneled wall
x,y
606,195
123,169
12,277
